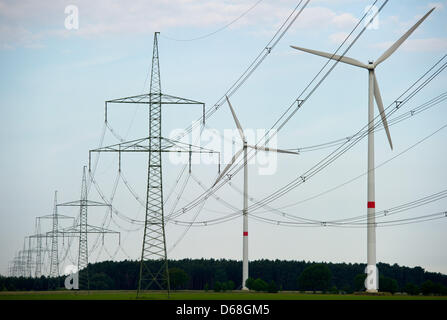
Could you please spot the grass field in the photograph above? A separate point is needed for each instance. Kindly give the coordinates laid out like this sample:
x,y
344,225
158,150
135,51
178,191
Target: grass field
x,y
196,295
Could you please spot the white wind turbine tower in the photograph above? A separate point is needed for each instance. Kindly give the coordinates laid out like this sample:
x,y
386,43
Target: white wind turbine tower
x,y
245,205
372,281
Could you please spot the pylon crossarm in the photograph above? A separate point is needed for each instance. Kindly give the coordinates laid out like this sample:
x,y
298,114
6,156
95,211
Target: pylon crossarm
x,y
63,233
142,98
75,230
168,145
95,229
51,216
142,145
78,203
145,99
186,147
133,145
168,99
41,235
160,98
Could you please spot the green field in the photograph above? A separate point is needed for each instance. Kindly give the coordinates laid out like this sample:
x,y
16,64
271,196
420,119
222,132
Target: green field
x,y
197,295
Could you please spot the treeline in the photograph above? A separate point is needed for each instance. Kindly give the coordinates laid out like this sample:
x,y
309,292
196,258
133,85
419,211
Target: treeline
x,y
209,274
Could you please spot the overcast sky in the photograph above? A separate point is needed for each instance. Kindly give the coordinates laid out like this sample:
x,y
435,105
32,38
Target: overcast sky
x,y
54,81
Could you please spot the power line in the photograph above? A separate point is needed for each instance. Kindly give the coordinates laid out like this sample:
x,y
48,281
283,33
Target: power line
x,y
353,179
224,181
403,98
334,155
418,219
266,50
219,29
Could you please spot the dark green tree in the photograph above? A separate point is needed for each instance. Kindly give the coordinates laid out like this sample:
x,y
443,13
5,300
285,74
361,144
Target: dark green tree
x,y
443,290
101,281
333,290
411,289
283,273
438,288
249,283
272,287
230,285
388,284
427,287
359,282
315,277
347,289
217,286
260,285
177,278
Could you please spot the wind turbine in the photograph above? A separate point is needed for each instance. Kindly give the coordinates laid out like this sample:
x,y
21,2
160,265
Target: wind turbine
x,y
374,93
245,203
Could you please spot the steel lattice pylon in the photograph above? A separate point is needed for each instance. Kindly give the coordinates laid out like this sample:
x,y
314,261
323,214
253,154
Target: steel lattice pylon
x,y
83,229
54,260
83,245
154,238
54,250
38,251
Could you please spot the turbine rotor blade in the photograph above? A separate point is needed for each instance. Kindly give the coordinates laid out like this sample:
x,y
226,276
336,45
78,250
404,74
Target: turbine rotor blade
x,y
228,166
378,98
272,149
333,57
238,125
397,44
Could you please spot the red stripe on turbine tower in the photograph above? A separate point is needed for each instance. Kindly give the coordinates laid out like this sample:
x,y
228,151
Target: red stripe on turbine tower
x,y
371,204
245,234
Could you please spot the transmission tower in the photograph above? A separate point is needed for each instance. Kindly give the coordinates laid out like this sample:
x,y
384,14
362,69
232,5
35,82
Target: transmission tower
x,y
154,238
83,229
54,257
29,255
38,236
15,263
19,264
28,252
54,251
38,250
83,248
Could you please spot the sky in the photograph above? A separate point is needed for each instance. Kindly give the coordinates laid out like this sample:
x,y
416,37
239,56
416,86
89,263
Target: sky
x,y
54,81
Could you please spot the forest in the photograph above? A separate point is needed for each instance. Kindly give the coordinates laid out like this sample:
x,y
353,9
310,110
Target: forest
x,y
265,275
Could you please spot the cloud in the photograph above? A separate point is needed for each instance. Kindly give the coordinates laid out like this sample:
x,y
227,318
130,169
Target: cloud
x,y
400,26
418,45
322,17
345,20
437,5
12,35
28,23
338,37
